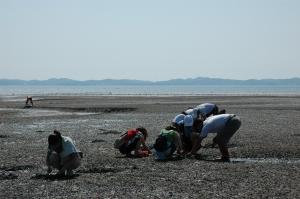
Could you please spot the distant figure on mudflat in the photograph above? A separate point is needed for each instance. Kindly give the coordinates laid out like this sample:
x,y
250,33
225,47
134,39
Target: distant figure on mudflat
x,y
29,102
224,125
134,140
62,154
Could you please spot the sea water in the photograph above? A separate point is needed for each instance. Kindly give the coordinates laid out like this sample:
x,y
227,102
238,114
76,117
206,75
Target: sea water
x,y
153,90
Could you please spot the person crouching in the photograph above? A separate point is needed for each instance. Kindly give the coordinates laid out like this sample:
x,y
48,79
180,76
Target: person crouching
x,y
167,142
62,154
134,140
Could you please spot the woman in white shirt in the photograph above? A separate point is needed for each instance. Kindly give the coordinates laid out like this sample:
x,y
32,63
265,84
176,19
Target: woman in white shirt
x,y
62,154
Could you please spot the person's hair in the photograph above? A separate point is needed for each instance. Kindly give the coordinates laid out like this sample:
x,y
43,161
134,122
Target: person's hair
x,y
54,139
198,125
215,110
174,128
143,131
223,111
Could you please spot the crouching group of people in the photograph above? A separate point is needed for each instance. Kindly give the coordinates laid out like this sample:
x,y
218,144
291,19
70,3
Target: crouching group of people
x,y
184,135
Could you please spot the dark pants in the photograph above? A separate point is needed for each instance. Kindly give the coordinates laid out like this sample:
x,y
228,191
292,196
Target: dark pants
x,y
187,143
127,148
228,131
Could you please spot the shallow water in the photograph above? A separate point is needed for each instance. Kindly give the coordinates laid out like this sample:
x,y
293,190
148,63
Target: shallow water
x,y
43,112
151,90
265,160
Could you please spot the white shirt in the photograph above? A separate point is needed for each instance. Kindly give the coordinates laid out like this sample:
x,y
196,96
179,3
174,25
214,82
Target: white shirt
x,y
68,147
188,120
205,108
214,124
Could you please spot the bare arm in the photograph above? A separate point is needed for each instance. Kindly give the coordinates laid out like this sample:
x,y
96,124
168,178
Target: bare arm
x,y
178,143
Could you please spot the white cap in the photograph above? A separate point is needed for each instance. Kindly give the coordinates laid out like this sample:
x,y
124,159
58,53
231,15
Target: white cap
x,y
178,118
188,120
193,112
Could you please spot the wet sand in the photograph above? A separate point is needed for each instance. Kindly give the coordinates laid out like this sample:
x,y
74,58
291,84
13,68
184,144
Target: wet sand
x,y
265,151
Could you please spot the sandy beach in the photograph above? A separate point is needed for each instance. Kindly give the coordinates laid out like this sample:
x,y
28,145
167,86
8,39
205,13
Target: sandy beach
x,y
265,151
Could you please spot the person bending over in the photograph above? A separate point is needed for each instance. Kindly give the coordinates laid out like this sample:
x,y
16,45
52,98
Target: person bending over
x,y
167,142
133,141
29,102
224,125
207,109
184,126
62,154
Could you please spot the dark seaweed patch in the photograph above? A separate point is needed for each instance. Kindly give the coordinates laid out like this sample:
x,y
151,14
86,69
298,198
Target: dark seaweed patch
x,y
118,109
4,136
93,109
101,170
107,169
4,175
39,131
98,140
17,168
106,132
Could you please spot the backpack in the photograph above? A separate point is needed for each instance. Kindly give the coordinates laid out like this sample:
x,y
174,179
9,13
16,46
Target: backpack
x,y
124,138
161,143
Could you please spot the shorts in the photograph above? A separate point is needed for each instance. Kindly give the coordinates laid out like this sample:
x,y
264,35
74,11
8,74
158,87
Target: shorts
x,y
232,125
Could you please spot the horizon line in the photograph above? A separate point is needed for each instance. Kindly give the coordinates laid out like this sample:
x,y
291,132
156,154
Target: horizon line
x,y
187,78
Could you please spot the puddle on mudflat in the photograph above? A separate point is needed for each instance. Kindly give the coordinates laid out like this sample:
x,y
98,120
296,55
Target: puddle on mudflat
x,y
265,160
43,112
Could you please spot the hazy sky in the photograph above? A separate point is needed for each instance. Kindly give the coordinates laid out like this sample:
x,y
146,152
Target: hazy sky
x,y
149,40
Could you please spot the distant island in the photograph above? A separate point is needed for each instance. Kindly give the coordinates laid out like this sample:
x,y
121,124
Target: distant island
x,y
188,81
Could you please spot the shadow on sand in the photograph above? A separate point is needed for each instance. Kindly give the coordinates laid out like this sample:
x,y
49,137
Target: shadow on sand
x,y
53,177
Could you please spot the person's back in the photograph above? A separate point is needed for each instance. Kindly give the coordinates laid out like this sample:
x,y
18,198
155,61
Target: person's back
x,y
165,149
169,134
214,124
192,112
133,140
206,109
225,126
68,146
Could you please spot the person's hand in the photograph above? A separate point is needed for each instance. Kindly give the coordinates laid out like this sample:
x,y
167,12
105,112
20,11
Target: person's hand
x,y
179,152
49,170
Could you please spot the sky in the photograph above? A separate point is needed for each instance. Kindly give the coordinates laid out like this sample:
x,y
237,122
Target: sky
x,y
149,40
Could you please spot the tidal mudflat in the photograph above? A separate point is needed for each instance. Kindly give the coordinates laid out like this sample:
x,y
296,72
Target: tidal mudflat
x,y
265,151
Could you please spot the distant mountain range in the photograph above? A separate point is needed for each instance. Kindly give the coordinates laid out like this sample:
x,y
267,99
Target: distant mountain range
x,y
189,81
